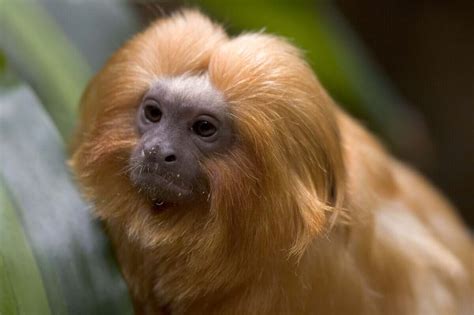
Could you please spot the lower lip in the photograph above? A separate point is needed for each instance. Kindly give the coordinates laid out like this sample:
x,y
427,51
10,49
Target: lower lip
x,y
161,206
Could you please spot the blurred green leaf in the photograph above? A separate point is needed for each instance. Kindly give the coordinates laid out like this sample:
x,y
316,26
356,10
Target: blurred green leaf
x,y
21,286
94,28
72,254
3,63
30,37
73,259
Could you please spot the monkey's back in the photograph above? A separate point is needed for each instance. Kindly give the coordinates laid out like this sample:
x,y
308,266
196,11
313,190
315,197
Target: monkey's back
x,y
421,253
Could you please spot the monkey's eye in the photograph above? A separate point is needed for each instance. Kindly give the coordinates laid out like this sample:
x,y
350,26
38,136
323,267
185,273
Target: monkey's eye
x,y
152,113
204,128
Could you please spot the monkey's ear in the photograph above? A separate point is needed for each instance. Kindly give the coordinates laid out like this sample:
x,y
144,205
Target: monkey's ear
x,y
319,209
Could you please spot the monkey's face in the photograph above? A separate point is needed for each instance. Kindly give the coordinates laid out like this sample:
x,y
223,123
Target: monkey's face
x,y
180,122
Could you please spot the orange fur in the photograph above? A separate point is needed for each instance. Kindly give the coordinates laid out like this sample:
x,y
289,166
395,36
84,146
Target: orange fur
x,y
307,213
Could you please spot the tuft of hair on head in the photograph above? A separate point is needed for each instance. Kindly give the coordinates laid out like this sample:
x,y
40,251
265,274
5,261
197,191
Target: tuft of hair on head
x,y
289,134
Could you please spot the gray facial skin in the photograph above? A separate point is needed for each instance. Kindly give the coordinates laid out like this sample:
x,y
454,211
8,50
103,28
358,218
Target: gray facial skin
x,y
180,121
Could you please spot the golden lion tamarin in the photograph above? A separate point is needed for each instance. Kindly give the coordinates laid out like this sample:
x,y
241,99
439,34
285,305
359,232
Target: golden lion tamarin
x,y
231,183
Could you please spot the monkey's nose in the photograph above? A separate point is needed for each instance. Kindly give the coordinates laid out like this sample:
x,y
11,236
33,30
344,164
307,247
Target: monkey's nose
x,y
159,154
149,152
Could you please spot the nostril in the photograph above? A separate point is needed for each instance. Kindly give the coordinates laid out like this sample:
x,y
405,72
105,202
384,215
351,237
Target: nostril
x,y
170,158
148,152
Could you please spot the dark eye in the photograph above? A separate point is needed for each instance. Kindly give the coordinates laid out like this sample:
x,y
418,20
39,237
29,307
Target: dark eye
x,y
152,113
204,128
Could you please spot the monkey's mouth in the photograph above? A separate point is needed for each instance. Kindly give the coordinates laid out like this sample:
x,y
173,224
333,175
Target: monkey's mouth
x,y
160,188
160,205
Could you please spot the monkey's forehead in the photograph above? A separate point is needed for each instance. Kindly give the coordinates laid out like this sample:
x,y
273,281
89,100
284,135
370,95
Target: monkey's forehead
x,y
196,89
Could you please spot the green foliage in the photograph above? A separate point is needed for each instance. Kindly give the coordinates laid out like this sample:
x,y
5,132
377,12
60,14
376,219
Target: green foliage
x,y
21,286
55,54
54,259
46,57
68,249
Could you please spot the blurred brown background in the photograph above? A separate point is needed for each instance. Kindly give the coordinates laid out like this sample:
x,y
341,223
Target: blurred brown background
x,y
427,50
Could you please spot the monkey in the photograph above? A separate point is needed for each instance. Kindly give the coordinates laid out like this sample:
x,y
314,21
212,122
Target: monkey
x,y
230,182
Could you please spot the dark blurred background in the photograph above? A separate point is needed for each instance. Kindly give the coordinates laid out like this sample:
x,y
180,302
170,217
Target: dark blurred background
x,y
427,50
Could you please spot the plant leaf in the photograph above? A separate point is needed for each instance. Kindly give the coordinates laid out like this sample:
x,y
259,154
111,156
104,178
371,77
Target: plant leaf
x,y
72,254
21,285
